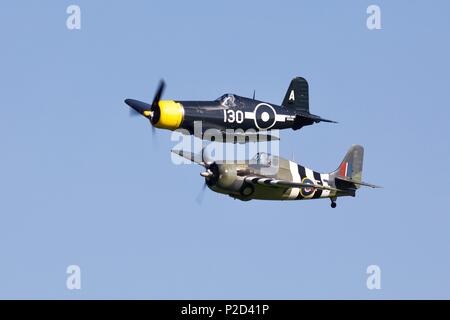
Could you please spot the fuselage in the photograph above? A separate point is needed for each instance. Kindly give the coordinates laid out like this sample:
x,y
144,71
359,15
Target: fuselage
x,y
232,180
231,116
269,177
228,112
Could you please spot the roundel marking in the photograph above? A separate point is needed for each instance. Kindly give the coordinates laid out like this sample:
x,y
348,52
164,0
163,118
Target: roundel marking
x,y
307,192
265,116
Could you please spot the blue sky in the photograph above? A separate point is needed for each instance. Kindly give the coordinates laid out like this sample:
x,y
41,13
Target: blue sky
x,y
81,183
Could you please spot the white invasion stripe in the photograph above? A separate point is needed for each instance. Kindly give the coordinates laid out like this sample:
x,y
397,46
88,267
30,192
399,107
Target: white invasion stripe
x,y
325,177
295,178
250,115
310,174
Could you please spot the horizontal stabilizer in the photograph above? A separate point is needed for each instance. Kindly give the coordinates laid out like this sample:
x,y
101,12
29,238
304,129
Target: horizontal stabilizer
x,y
315,118
361,183
306,119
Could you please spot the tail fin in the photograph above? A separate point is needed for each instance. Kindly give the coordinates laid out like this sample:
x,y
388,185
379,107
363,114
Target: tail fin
x,y
297,95
349,173
352,165
297,98
348,176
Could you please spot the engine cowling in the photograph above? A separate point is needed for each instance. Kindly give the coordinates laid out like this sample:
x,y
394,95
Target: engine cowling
x,y
223,178
168,114
227,176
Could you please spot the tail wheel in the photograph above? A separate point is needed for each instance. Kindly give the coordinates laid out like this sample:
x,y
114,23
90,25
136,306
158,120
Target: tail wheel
x,y
333,203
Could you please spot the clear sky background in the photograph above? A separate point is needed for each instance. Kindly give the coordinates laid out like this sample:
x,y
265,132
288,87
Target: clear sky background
x,y
81,182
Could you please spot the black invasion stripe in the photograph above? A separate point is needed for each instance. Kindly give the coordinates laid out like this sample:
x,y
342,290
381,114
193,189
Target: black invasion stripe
x,y
318,192
302,173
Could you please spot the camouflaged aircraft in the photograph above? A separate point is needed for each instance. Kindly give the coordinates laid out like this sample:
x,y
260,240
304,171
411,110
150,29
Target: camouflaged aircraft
x,y
268,177
233,116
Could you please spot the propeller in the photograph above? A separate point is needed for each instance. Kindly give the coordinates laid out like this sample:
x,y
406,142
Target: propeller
x,y
154,110
211,174
150,111
212,169
133,113
201,195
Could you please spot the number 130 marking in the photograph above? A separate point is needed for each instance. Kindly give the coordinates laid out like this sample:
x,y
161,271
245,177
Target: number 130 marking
x,y
232,116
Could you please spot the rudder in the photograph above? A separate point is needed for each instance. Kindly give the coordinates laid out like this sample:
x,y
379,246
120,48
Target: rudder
x,y
348,177
352,165
297,95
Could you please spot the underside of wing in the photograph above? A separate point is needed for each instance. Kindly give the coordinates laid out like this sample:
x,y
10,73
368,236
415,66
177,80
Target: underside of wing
x,y
245,137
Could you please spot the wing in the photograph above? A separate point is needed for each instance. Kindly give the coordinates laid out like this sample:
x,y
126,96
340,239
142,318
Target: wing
x,y
237,136
284,183
244,137
196,158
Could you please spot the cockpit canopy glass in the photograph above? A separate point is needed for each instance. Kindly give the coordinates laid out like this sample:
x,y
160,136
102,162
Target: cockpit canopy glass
x,y
262,158
227,100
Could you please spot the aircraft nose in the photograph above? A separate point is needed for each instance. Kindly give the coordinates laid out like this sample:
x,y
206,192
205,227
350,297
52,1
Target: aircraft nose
x,y
138,106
